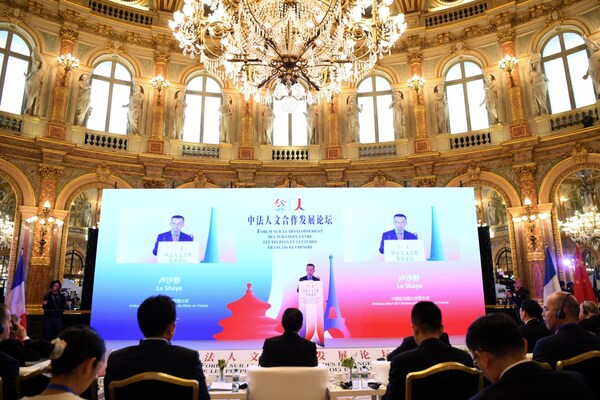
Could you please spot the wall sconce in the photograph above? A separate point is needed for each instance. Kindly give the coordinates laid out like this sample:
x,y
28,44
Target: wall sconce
x,y
47,222
67,62
509,64
530,217
159,83
416,83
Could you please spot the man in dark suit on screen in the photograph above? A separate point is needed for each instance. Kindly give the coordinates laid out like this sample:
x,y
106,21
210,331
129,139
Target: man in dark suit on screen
x,y
398,233
289,349
310,273
175,234
156,318
499,351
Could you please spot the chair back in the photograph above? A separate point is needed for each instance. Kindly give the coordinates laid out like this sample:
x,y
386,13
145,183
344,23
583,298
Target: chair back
x,y
455,380
1,390
33,383
588,365
381,371
150,384
290,383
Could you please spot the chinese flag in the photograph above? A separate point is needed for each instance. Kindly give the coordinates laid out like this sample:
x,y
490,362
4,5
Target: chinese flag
x,y
583,286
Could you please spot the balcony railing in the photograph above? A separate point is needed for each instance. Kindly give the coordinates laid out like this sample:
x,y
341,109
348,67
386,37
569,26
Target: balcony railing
x,y
375,150
290,154
470,139
112,10
201,150
106,141
11,122
572,118
455,15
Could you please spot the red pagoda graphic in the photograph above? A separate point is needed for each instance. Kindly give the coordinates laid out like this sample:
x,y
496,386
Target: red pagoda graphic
x,y
247,312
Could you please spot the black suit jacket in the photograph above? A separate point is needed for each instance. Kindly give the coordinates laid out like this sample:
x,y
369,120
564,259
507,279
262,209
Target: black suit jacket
x,y
569,341
9,371
409,343
591,324
534,330
429,353
155,356
531,381
305,278
288,350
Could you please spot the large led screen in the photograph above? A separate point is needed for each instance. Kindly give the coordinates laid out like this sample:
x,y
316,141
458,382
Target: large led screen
x,y
236,262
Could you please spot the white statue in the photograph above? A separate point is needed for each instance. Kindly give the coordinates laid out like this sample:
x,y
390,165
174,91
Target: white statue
x,y
312,119
441,108
179,106
134,113
268,123
539,87
34,81
491,99
593,65
352,111
83,102
397,107
225,115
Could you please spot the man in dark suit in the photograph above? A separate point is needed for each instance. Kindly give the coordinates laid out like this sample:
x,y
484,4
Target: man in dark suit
x,y
398,233
426,319
561,313
9,367
409,343
500,353
156,318
310,271
175,234
533,327
289,349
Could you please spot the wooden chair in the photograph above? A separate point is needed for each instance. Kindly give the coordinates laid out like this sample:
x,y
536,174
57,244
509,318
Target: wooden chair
x,y
33,383
148,380
455,380
588,365
289,383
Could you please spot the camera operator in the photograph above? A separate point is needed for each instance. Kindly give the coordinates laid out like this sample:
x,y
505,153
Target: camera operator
x,y
517,295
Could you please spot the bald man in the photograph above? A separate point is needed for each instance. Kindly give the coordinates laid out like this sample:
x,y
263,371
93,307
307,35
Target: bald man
x,y
561,314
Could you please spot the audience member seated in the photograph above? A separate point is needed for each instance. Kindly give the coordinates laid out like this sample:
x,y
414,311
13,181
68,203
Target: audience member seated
x,y
533,327
408,343
588,316
21,347
561,313
426,319
289,349
156,319
9,367
77,356
499,351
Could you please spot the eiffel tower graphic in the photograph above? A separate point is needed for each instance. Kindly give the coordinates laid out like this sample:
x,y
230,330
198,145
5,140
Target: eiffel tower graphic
x,y
334,323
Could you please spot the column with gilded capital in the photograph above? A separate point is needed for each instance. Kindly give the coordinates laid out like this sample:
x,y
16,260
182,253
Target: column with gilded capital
x,y
246,151
529,229
57,127
333,150
41,270
156,144
422,143
518,125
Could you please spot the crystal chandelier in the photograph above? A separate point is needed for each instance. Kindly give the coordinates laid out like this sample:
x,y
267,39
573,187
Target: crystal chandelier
x,y
583,227
7,228
297,50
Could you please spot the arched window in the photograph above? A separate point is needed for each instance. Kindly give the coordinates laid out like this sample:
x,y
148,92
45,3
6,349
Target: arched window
x,y
504,262
565,62
15,60
74,266
374,95
111,87
466,98
203,97
289,129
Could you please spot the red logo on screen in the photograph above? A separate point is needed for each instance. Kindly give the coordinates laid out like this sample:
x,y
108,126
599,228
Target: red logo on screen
x,y
284,205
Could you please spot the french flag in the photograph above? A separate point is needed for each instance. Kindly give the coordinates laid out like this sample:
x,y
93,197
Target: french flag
x,y
16,295
551,283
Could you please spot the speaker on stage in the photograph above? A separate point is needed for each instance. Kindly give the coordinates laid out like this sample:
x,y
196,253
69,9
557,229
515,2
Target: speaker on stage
x,y
90,269
487,265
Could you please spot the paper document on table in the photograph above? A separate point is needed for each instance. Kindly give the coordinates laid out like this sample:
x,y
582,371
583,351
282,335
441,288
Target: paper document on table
x,y
220,386
32,368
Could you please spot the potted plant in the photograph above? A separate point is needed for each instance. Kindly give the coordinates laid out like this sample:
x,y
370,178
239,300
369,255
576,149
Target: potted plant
x,y
221,363
348,363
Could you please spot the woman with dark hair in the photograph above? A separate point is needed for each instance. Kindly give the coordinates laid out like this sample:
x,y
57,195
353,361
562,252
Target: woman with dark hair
x,y
77,356
54,304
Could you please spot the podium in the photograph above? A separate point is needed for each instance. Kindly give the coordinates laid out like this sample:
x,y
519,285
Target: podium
x,y
178,253
310,300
